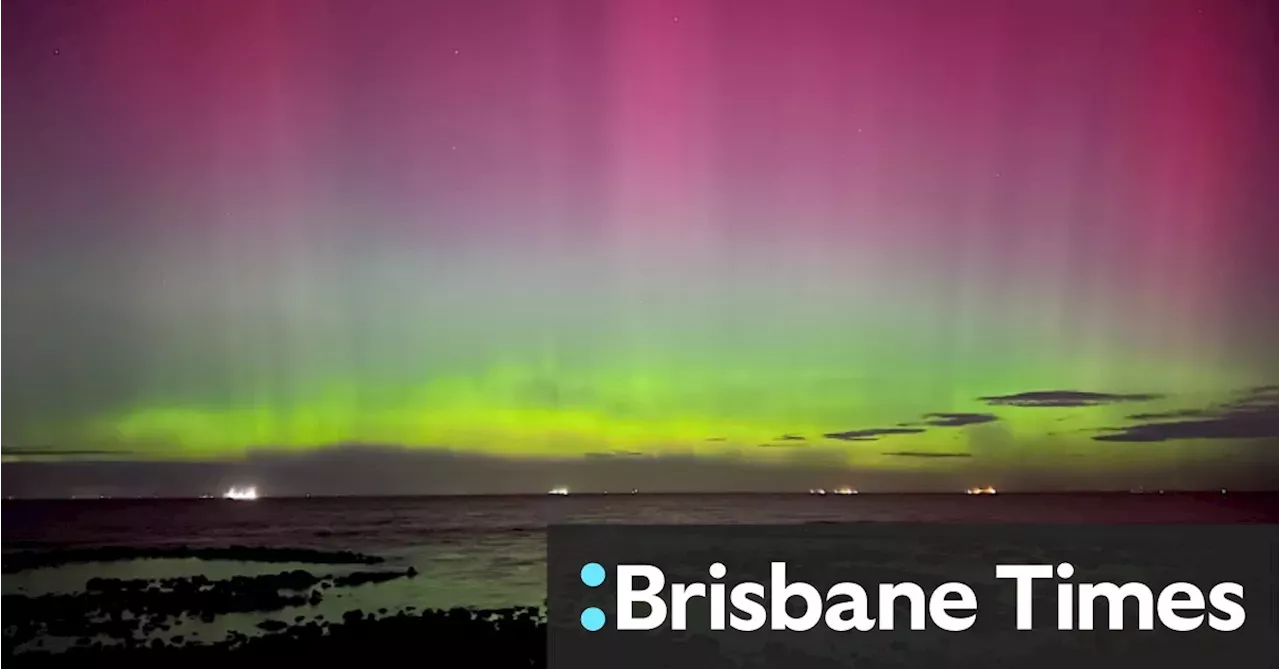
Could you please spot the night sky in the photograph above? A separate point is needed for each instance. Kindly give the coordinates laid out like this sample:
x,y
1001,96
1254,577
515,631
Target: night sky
x,y
498,246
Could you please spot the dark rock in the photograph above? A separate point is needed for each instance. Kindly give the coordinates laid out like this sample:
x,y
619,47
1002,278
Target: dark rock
x,y
272,625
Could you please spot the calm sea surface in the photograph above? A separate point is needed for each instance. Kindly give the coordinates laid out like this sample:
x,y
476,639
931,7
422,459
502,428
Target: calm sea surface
x,y
490,551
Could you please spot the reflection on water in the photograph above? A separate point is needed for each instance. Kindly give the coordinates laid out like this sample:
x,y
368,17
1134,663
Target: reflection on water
x,y
487,552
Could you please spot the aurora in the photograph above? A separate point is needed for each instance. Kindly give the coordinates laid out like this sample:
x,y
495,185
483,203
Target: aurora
x,y
1036,235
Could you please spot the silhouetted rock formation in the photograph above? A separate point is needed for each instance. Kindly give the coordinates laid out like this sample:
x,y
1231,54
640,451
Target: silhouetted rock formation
x,y
150,604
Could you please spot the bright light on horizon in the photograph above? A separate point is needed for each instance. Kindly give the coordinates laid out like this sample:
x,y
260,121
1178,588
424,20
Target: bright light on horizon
x,y
242,494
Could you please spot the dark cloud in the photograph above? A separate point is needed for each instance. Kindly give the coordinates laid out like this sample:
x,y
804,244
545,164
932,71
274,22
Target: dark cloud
x,y
1252,414
788,444
958,419
926,454
1259,397
871,434
716,439
789,437
930,420
1065,398
34,451
1163,415
1251,424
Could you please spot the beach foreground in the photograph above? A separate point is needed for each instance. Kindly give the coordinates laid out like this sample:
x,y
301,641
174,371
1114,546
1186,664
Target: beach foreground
x,y
428,580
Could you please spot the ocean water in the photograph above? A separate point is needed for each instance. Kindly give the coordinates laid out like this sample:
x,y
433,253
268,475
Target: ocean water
x,y
489,552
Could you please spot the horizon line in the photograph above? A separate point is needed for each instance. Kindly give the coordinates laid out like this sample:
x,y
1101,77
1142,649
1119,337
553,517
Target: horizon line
x,y
724,493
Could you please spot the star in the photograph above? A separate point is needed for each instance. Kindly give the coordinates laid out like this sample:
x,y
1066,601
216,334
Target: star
x,y
675,19
456,52
57,52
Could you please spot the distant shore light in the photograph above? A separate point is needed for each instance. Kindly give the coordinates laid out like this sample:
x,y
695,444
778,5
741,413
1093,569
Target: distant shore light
x,y
242,494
